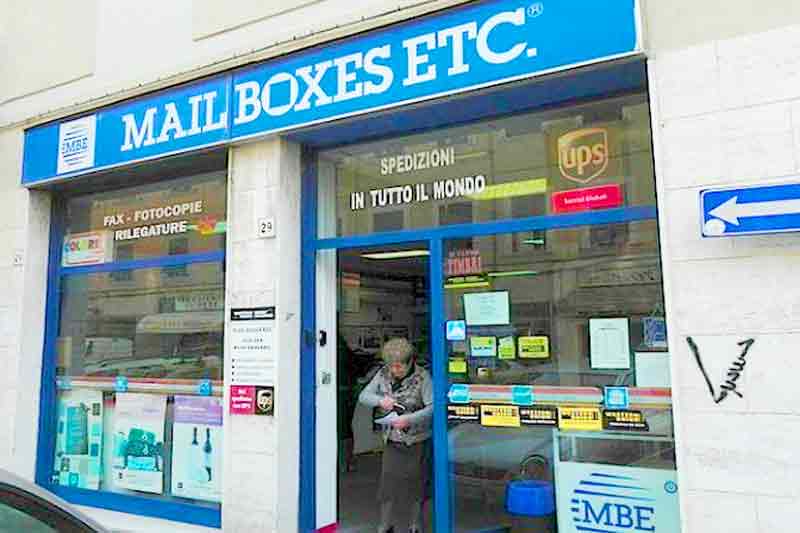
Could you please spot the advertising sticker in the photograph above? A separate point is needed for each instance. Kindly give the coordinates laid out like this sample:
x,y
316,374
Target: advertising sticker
x,y
540,415
197,448
138,460
580,419
463,412
483,346
624,420
506,416
534,347
79,439
507,348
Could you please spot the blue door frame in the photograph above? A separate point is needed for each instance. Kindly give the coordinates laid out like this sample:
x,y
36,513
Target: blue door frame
x,y
435,239
582,85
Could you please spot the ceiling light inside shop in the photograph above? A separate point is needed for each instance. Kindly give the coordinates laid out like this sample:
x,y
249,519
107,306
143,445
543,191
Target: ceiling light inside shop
x,y
399,254
512,273
534,242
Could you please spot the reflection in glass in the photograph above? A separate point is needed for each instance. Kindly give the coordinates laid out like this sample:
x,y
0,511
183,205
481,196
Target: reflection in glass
x,y
148,324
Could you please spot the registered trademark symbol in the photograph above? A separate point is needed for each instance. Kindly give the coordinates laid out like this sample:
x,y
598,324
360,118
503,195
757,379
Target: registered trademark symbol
x,y
536,9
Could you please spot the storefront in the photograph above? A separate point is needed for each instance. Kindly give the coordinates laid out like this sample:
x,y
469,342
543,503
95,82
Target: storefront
x,y
479,182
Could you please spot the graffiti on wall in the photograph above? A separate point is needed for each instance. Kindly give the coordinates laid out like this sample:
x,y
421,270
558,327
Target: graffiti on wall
x,y
733,374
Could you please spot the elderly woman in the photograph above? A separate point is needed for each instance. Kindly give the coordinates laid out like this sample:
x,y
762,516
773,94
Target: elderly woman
x,y
405,388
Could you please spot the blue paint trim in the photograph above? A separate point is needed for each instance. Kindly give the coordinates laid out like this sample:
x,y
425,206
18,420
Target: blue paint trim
x,y
442,502
45,444
125,503
610,216
307,520
153,262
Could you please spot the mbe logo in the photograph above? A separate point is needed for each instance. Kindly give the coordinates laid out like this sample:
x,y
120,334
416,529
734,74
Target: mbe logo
x,y
583,154
606,503
76,144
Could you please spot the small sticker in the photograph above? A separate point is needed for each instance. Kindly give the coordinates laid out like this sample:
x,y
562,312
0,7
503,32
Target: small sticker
x,y
456,330
540,415
522,395
580,419
64,383
506,416
265,401
534,347
483,346
458,366
624,420
616,398
459,393
507,348
243,400
204,387
463,412
121,384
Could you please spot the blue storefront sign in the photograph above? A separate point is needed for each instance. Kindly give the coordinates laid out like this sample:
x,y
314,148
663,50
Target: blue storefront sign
x,y
750,210
479,45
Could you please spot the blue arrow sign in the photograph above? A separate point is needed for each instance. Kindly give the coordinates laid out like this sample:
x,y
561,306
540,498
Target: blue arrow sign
x,y
751,210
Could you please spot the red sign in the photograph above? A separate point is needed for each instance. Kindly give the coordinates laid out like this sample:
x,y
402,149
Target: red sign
x,y
602,197
243,400
463,263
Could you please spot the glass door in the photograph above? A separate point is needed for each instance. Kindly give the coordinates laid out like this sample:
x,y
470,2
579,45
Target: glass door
x,y
375,389
559,415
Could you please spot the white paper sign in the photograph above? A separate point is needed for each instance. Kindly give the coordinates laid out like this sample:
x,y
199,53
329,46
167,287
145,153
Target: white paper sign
x,y
652,369
610,343
486,308
252,346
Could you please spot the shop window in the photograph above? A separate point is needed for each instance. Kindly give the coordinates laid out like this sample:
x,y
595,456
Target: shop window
x,y
574,159
139,350
563,326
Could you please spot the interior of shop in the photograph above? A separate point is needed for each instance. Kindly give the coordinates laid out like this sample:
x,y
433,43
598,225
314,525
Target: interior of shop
x,y
383,295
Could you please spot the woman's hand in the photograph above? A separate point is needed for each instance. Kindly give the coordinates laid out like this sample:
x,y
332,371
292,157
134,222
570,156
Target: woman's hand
x,y
387,403
401,422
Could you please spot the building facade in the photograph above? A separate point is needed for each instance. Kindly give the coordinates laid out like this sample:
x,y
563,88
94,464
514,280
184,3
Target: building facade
x,y
212,212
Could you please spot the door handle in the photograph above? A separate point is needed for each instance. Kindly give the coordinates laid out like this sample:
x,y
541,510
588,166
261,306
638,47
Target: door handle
x,y
323,337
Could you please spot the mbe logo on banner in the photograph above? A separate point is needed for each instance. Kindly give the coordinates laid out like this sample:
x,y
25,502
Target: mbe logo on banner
x,y
76,144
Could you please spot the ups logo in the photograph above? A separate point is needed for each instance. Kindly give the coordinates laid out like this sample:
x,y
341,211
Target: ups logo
x,y
583,154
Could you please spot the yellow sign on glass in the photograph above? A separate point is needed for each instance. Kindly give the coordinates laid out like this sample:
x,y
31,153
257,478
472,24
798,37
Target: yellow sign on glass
x,y
507,349
534,347
504,416
512,189
458,366
580,419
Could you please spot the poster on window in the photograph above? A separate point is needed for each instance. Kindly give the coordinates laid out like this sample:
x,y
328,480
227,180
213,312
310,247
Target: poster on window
x,y
138,461
79,439
197,448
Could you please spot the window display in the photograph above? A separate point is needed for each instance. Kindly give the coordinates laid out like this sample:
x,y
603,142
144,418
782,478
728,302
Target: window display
x,y
139,350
